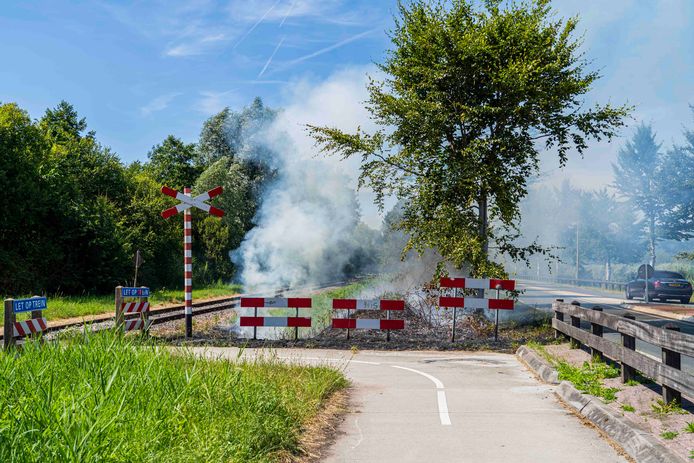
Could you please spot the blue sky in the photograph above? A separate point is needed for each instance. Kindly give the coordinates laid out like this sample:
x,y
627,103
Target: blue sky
x,y
141,70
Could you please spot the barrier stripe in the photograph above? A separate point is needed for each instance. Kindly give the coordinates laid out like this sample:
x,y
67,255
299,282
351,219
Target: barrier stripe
x,y
134,324
135,307
478,283
367,324
300,322
476,303
288,302
368,304
27,327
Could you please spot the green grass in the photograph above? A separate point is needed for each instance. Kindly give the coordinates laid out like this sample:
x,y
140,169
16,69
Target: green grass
x,y
669,435
689,427
106,398
60,307
628,408
588,378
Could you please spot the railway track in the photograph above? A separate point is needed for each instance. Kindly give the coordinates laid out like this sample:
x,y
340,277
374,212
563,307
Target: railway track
x,y
176,312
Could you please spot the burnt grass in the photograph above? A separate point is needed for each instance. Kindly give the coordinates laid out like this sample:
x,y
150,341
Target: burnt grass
x,y
473,332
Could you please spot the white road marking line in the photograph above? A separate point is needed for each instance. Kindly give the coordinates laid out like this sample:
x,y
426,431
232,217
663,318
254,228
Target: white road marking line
x,y
361,434
440,394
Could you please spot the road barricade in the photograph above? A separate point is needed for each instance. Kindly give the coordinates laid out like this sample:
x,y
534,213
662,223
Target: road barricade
x,y
472,302
295,322
131,301
14,329
356,305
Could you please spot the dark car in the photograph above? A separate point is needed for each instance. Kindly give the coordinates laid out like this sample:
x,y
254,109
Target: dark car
x,y
662,285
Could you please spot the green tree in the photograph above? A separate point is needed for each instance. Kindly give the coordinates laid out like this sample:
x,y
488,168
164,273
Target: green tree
x,y
174,163
469,95
638,177
676,189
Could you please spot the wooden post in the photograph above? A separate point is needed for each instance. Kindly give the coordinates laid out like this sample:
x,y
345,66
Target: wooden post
x,y
597,330
8,334
575,322
119,308
559,316
145,314
672,359
629,342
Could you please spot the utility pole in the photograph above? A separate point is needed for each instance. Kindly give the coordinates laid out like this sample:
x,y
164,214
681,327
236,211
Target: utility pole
x,y
577,263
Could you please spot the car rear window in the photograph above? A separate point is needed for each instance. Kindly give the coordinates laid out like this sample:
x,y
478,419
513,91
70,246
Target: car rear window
x,y
664,274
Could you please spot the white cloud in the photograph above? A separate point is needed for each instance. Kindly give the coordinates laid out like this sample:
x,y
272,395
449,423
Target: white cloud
x,y
191,46
211,102
158,104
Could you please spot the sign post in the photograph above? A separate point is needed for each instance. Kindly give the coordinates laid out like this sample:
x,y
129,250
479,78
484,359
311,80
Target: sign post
x,y
186,203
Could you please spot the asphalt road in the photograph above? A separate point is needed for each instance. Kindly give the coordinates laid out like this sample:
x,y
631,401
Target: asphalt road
x,y
542,294
448,407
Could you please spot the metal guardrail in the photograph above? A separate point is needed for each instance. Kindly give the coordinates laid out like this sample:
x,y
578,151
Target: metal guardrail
x,y
603,284
673,344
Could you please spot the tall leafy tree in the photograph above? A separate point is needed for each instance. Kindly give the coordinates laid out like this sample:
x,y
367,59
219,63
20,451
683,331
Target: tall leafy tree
x,y
174,163
638,175
470,97
676,188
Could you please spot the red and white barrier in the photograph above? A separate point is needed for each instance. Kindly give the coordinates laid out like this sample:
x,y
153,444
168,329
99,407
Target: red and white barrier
x,y
368,304
475,303
280,322
367,324
134,324
478,283
135,307
27,327
280,302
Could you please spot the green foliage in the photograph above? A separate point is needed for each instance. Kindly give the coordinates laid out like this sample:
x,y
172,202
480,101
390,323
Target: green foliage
x,y
589,377
632,382
174,163
661,408
105,398
669,435
689,427
469,95
628,408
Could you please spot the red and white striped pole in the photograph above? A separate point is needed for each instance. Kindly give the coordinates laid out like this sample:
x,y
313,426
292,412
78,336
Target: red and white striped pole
x,y
188,266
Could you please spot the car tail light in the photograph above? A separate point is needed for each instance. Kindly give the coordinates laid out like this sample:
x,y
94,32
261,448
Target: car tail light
x,y
657,283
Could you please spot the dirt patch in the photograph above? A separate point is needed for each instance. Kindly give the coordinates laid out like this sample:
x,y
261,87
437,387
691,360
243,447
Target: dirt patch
x,y
641,404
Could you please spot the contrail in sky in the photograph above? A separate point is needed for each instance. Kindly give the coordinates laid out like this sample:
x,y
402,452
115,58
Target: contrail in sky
x,y
262,18
332,47
289,11
269,60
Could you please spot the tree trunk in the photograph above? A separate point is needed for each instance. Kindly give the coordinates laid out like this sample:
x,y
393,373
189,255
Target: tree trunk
x,y
482,203
651,240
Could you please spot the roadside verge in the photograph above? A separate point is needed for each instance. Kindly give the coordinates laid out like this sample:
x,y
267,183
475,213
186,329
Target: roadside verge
x,y
639,444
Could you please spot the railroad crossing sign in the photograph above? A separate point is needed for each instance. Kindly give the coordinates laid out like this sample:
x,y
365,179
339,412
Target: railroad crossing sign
x,y
187,202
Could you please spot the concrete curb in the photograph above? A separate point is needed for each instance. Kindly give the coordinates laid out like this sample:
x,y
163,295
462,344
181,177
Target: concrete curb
x,y
541,369
639,444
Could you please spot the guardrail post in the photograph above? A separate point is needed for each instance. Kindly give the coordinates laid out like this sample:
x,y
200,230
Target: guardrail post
x,y
576,323
120,319
674,360
8,333
629,342
597,330
559,316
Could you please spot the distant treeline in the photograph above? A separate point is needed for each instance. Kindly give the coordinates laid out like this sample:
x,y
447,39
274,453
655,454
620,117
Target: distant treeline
x,y
73,214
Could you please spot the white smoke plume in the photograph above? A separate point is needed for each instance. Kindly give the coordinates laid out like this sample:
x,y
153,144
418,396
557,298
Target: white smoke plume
x,y
305,227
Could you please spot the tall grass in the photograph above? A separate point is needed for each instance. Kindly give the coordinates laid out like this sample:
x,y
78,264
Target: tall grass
x,y
106,398
60,307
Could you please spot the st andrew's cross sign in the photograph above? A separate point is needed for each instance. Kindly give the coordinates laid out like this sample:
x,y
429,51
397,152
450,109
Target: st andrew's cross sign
x,y
186,203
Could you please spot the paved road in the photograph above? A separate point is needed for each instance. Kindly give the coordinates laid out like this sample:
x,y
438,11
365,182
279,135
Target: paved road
x,y
449,407
542,294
